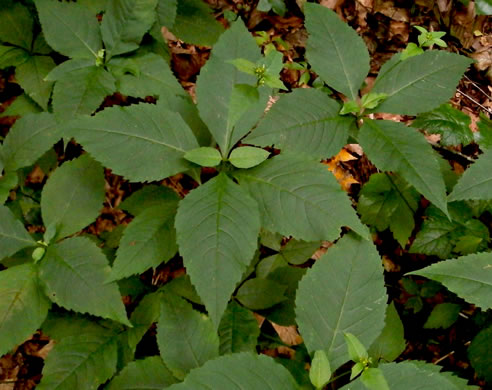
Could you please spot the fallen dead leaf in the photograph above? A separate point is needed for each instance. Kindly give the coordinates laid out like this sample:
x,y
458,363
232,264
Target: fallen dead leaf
x,y
288,334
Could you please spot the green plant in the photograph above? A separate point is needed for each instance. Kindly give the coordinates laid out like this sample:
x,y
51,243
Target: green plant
x,y
64,284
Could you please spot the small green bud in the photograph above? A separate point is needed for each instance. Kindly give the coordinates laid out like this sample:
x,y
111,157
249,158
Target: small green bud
x,y
38,254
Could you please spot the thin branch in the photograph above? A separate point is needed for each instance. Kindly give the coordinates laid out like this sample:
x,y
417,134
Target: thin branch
x,y
478,87
477,103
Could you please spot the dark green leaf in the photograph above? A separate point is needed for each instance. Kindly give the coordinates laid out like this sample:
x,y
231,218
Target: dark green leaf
x,y
373,379
298,252
13,235
442,316
305,121
16,26
300,198
22,105
23,306
479,353
30,76
476,182
147,197
73,196
335,51
238,330
392,146
217,228
75,272
258,293
186,338
354,303
420,83
65,69
12,56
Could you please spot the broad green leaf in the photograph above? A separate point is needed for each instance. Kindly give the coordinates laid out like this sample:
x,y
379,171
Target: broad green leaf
x,y
205,156
73,196
67,324
30,76
81,92
147,133
28,139
151,76
420,83
13,235
16,27
7,182
305,121
22,105
479,353
12,56
469,277
147,197
234,372
67,67
186,338
75,272
149,240
356,351
411,375
300,198
243,97
40,46
145,314
388,201
355,301
248,157
442,316
391,342
450,123
484,136
476,182
70,28
373,379
81,362
194,23
298,252
335,51
23,306
216,83
217,227
392,146
182,287
95,6
258,293
483,7
145,374
320,371
440,236
238,330
166,13
124,24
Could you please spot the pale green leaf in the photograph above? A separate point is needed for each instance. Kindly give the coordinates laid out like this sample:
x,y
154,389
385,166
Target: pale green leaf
x,y
300,198
147,197
217,227
16,26
476,182
305,121
12,56
205,156
469,277
450,123
234,372
30,76
149,240
70,28
387,201
335,51
356,351
124,24
420,83
443,315
320,371
64,69
146,374
412,375
373,379
22,105
23,305
73,196
216,83
392,146
75,272
391,342
342,293
186,338
440,236
238,330
13,235
81,92
81,362
147,133
258,293
28,139
479,353
483,7
194,23
248,157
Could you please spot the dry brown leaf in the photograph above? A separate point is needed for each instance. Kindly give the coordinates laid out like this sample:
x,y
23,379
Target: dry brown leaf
x,y
288,334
